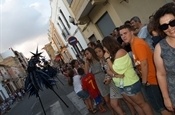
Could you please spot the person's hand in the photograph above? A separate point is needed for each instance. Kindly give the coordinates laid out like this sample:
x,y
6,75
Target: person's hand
x,y
106,55
107,80
85,59
118,76
123,44
168,104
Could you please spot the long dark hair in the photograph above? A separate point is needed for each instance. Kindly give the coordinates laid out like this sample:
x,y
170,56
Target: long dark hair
x,y
111,45
168,8
70,75
73,63
100,47
92,53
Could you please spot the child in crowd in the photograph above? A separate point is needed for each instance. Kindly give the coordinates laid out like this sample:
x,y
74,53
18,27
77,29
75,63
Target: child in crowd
x,y
75,65
89,85
75,81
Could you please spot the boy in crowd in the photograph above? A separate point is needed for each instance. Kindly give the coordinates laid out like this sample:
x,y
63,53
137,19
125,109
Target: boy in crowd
x,y
89,85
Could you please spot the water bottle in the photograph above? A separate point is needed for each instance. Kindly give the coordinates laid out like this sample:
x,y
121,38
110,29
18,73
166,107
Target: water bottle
x,y
121,83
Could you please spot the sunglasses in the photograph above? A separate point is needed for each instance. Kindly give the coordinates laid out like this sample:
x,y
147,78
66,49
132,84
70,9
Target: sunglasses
x,y
165,26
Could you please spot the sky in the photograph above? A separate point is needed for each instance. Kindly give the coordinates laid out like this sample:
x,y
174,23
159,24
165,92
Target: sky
x,y
24,25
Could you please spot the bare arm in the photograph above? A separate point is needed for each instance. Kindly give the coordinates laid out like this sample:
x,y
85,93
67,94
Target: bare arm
x,y
86,66
144,70
161,77
108,60
119,54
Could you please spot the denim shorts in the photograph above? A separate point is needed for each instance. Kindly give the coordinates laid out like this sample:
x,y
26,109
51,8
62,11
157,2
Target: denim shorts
x,y
83,94
154,97
132,89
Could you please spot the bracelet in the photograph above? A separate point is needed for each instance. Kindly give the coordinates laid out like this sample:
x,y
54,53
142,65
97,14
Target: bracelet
x,y
107,58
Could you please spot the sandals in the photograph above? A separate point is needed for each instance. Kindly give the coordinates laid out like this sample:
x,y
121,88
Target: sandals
x,y
92,111
103,110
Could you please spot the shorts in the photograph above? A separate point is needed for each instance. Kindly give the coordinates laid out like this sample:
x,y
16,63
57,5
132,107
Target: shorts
x,y
83,94
98,99
114,91
132,89
155,98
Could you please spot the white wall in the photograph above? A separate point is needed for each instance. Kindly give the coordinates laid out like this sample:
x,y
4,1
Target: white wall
x,y
55,6
4,92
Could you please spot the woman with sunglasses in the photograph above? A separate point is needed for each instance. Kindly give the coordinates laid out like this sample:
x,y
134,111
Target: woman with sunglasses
x,y
164,54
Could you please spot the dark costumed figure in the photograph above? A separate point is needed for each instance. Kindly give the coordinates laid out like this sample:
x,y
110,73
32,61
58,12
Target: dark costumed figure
x,y
37,78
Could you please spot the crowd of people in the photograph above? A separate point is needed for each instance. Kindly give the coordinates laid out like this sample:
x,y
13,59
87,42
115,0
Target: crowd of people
x,y
15,97
135,63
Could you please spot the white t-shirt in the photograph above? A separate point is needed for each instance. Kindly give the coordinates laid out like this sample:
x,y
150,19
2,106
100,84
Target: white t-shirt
x,y
77,83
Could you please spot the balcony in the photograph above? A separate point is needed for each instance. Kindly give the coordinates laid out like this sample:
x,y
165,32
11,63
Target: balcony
x,y
95,2
81,8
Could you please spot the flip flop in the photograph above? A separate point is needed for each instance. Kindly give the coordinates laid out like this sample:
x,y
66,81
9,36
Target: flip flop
x,y
92,111
103,110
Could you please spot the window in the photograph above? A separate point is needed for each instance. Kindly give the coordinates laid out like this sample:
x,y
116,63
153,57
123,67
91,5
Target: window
x,y
59,25
65,32
64,35
69,2
65,19
92,38
105,24
20,60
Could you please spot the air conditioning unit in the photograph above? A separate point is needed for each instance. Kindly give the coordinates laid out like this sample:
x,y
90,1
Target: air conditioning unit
x,y
83,20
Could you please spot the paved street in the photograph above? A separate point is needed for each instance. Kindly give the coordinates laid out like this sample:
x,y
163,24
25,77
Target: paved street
x,y
51,102
53,105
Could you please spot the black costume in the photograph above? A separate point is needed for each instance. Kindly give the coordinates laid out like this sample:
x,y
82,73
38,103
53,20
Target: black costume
x,y
37,78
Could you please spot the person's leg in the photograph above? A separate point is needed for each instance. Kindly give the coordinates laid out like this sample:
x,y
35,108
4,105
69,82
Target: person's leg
x,y
134,93
89,101
132,103
101,107
87,104
165,112
140,101
85,96
107,100
115,96
156,100
115,106
131,107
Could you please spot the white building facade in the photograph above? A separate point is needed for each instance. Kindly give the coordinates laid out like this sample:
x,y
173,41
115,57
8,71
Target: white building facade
x,y
60,19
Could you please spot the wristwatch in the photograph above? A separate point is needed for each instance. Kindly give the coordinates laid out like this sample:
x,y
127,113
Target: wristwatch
x,y
107,58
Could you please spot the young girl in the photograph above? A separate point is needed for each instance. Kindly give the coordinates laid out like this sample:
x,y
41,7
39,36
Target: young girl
x,y
114,91
129,84
75,65
92,63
